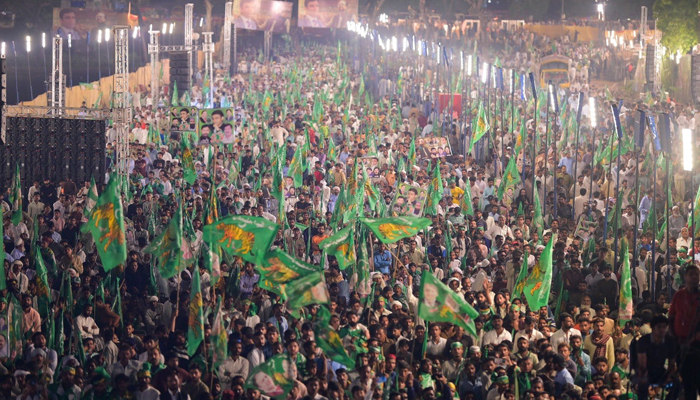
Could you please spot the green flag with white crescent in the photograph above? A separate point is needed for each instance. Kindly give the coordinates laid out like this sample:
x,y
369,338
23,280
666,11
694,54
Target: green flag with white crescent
x,y
511,178
438,303
626,304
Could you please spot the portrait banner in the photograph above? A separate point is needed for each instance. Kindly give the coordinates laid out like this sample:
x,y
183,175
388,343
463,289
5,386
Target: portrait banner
x,y
262,15
217,124
83,23
183,119
409,201
327,13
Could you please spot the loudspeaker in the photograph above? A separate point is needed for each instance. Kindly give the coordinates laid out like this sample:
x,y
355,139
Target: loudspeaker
x,y
180,70
650,68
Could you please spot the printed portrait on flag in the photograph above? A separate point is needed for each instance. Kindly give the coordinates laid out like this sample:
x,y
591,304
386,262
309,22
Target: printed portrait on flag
x,y
262,15
327,13
217,124
183,119
409,201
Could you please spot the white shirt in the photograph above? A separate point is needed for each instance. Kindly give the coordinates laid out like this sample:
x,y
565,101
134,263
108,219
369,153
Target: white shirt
x,y
562,337
494,339
256,357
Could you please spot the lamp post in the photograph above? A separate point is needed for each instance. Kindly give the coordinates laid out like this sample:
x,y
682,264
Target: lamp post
x,y
109,68
70,64
43,51
688,166
99,54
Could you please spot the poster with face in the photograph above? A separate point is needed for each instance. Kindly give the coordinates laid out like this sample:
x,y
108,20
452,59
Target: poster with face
x,y
409,201
327,13
217,124
183,119
81,23
262,15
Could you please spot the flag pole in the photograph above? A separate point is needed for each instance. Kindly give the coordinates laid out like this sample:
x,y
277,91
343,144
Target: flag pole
x,y
534,136
653,236
546,153
638,147
578,131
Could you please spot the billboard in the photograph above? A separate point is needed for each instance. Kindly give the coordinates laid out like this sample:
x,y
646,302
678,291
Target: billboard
x,y
327,13
81,23
217,124
262,15
183,118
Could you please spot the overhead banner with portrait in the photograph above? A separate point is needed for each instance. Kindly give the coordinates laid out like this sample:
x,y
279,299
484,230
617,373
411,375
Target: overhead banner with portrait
x,y
262,15
327,13
81,23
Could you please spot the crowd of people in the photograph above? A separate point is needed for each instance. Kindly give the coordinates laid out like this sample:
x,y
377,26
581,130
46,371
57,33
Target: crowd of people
x,y
356,113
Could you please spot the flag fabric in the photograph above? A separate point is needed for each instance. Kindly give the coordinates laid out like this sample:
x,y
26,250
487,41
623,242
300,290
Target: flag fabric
x,y
539,282
244,236
438,303
195,329
219,338
360,278
106,224
42,291
296,168
465,202
538,219
341,245
480,128
167,247
511,178
307,290
435,191
98,101
92,197
279,269
391,230
274,378
15,332
174,100
190,175
332,345
626,304
16,197
522,276
3,283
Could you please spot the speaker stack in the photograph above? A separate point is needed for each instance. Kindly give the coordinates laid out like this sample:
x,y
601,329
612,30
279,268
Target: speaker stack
x,y
180,70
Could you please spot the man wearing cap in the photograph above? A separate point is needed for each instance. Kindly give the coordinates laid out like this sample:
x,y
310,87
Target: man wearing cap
x,y
499,392
452,367
66,388
145,391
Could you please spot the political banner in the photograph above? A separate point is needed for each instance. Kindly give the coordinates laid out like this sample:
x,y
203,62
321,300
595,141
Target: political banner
x,y
409,201
327,13
217,124
83,23
262,15
183,119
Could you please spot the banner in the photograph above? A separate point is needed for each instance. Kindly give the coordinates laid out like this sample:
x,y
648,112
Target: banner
x,y
183,119
80,23
409,201
327,13
217,124
262,15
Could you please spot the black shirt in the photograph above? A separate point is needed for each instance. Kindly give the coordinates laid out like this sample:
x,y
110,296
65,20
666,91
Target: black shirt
x,y
657,354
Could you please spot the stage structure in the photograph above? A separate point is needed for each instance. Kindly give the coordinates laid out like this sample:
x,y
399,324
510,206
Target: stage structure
x,y
228,22
208,48
58,81
121,114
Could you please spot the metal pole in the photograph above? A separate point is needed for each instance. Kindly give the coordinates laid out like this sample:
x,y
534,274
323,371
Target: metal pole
x,y
578,132
605,231
590,194
87,47
546,154
70,64
534,136
29,73
14,52
617,192
668,227
43,52
653,238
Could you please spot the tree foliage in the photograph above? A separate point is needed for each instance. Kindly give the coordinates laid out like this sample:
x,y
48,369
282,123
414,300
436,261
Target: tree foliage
x,y
677,20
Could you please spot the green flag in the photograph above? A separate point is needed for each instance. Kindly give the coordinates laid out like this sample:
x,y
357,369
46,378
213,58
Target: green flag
x,y
307,290
341,245
332,345
3,283
511,178
480,128
522,277
538,219
539,282
42,291
465,202
16,197
435,191
219,338
195,326
296,167
279,268
92,197
98,101
167,247
174,100
439,303
106,224
274,378
391,230
626,304
244,236
360,276
190,175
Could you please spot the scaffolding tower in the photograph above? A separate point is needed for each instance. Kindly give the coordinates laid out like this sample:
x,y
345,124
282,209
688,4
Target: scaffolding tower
x,y
121,114
208,48
228,22
153,49
58,100
189,21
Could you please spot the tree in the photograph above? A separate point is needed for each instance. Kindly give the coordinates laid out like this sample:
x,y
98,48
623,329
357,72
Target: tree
x,y
677,20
